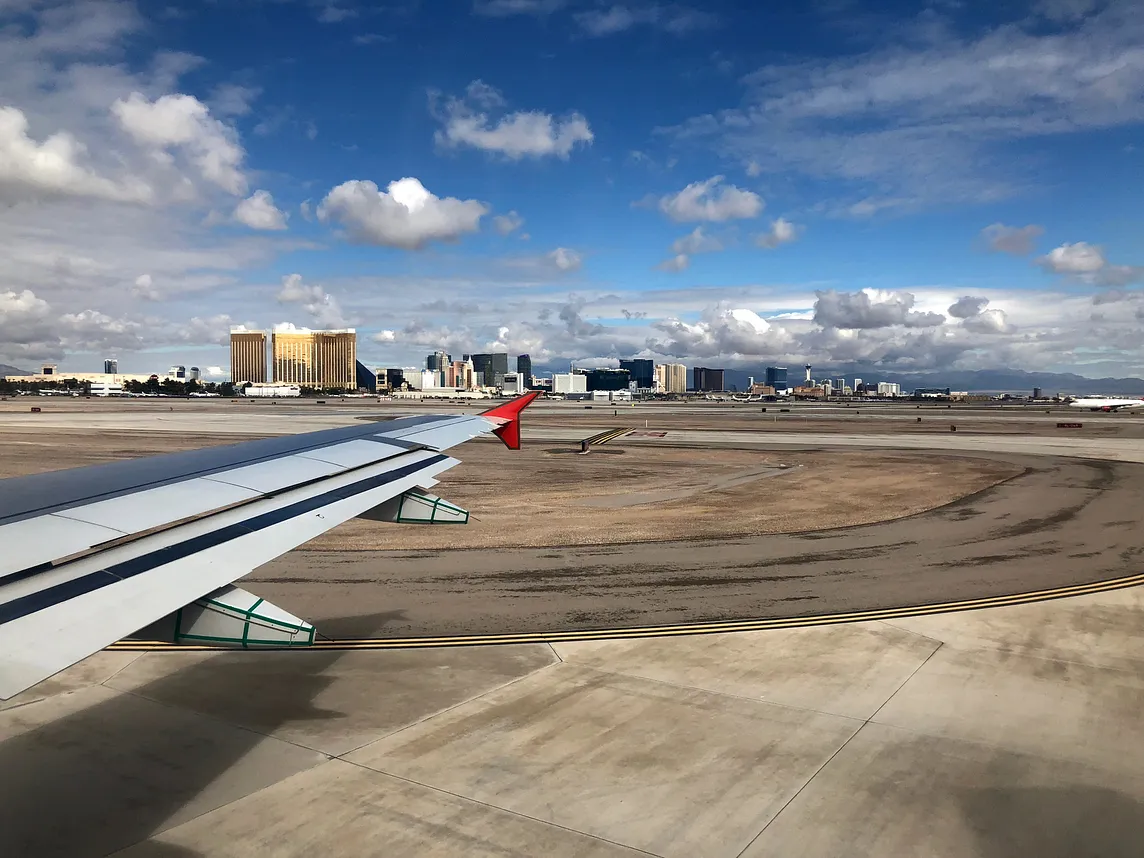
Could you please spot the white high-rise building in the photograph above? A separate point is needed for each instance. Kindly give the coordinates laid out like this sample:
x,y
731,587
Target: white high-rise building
x,y
889,388
569,382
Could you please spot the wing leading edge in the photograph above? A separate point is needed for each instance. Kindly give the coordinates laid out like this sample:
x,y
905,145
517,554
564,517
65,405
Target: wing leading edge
x,y
94,554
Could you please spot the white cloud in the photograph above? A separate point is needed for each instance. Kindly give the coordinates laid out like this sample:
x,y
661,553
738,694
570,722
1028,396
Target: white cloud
x,y
505,8
928,119
405,215
183,122
259,212
145,288
720,331
1011,239
565,259
508,223
322,306
54,166
672,18
711,200
696,241
870,308
1078,258
675,264
517,135
991,321
782,232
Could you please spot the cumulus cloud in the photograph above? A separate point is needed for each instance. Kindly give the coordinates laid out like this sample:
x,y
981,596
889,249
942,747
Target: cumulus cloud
x,y
870,308
1011,239
967,306
720,331
259,212
1078,258
53,167
991,321
184,123
144,287
696,241
517,135
782,231
565,259
404,215
507,224
322,307
675,264
711,200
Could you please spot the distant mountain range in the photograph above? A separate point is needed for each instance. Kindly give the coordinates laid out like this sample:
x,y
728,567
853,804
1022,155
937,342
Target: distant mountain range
x,y
974,381
5,369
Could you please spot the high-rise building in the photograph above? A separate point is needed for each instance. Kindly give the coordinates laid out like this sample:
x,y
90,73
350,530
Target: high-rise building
x,y
177,372
524,368
111,366
642,371
608,379
777,377
490,369
247,356
672,377
707,380
194,374
569,382
315,358
394,378
438,361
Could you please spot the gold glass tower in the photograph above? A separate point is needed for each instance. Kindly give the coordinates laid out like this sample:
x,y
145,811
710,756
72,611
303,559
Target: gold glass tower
x,y
315,358
248,356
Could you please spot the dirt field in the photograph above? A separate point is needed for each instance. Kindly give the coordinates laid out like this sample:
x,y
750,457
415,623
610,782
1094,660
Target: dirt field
x,y
546,495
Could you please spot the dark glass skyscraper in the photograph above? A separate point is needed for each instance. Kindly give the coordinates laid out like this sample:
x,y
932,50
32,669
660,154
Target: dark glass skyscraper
x,y
524,367
777,377
608,379
365,377
491,368
642,371
707,380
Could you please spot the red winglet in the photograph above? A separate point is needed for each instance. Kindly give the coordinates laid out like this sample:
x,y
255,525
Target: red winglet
x,y
508,415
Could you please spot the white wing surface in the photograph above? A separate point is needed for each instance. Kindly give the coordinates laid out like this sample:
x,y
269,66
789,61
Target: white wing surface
x,y
91,555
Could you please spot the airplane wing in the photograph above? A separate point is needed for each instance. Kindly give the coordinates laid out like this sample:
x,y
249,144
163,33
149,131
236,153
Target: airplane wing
x,y
91,555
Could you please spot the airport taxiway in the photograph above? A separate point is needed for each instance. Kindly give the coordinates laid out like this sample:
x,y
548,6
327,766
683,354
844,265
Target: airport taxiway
x,y
986,734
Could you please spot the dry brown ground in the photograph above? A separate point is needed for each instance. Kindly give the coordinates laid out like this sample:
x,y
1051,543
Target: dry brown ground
x,y
547,495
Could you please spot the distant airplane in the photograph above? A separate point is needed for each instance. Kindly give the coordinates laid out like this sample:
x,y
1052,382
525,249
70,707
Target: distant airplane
x,y
1103,403
152,546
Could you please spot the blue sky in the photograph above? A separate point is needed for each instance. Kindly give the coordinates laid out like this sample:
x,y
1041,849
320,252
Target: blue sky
x,y
908,186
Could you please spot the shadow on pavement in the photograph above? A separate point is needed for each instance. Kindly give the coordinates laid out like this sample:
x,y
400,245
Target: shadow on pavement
x,y
110,775
1049,822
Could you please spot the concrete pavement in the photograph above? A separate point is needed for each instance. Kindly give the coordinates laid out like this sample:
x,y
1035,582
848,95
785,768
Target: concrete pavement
x,y
1011,731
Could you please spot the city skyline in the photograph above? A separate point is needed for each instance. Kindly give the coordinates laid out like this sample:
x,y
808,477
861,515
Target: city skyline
x,y
935,187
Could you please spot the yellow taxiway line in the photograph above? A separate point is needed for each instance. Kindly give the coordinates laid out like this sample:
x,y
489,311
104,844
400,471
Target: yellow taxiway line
x,y
723,626
605,437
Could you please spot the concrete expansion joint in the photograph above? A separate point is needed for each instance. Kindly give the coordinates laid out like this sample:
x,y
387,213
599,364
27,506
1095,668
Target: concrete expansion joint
x,y
499,809
937,641
715,692
840,749
446,710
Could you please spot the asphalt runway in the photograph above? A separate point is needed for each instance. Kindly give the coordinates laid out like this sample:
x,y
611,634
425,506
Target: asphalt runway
x,y
1064,521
